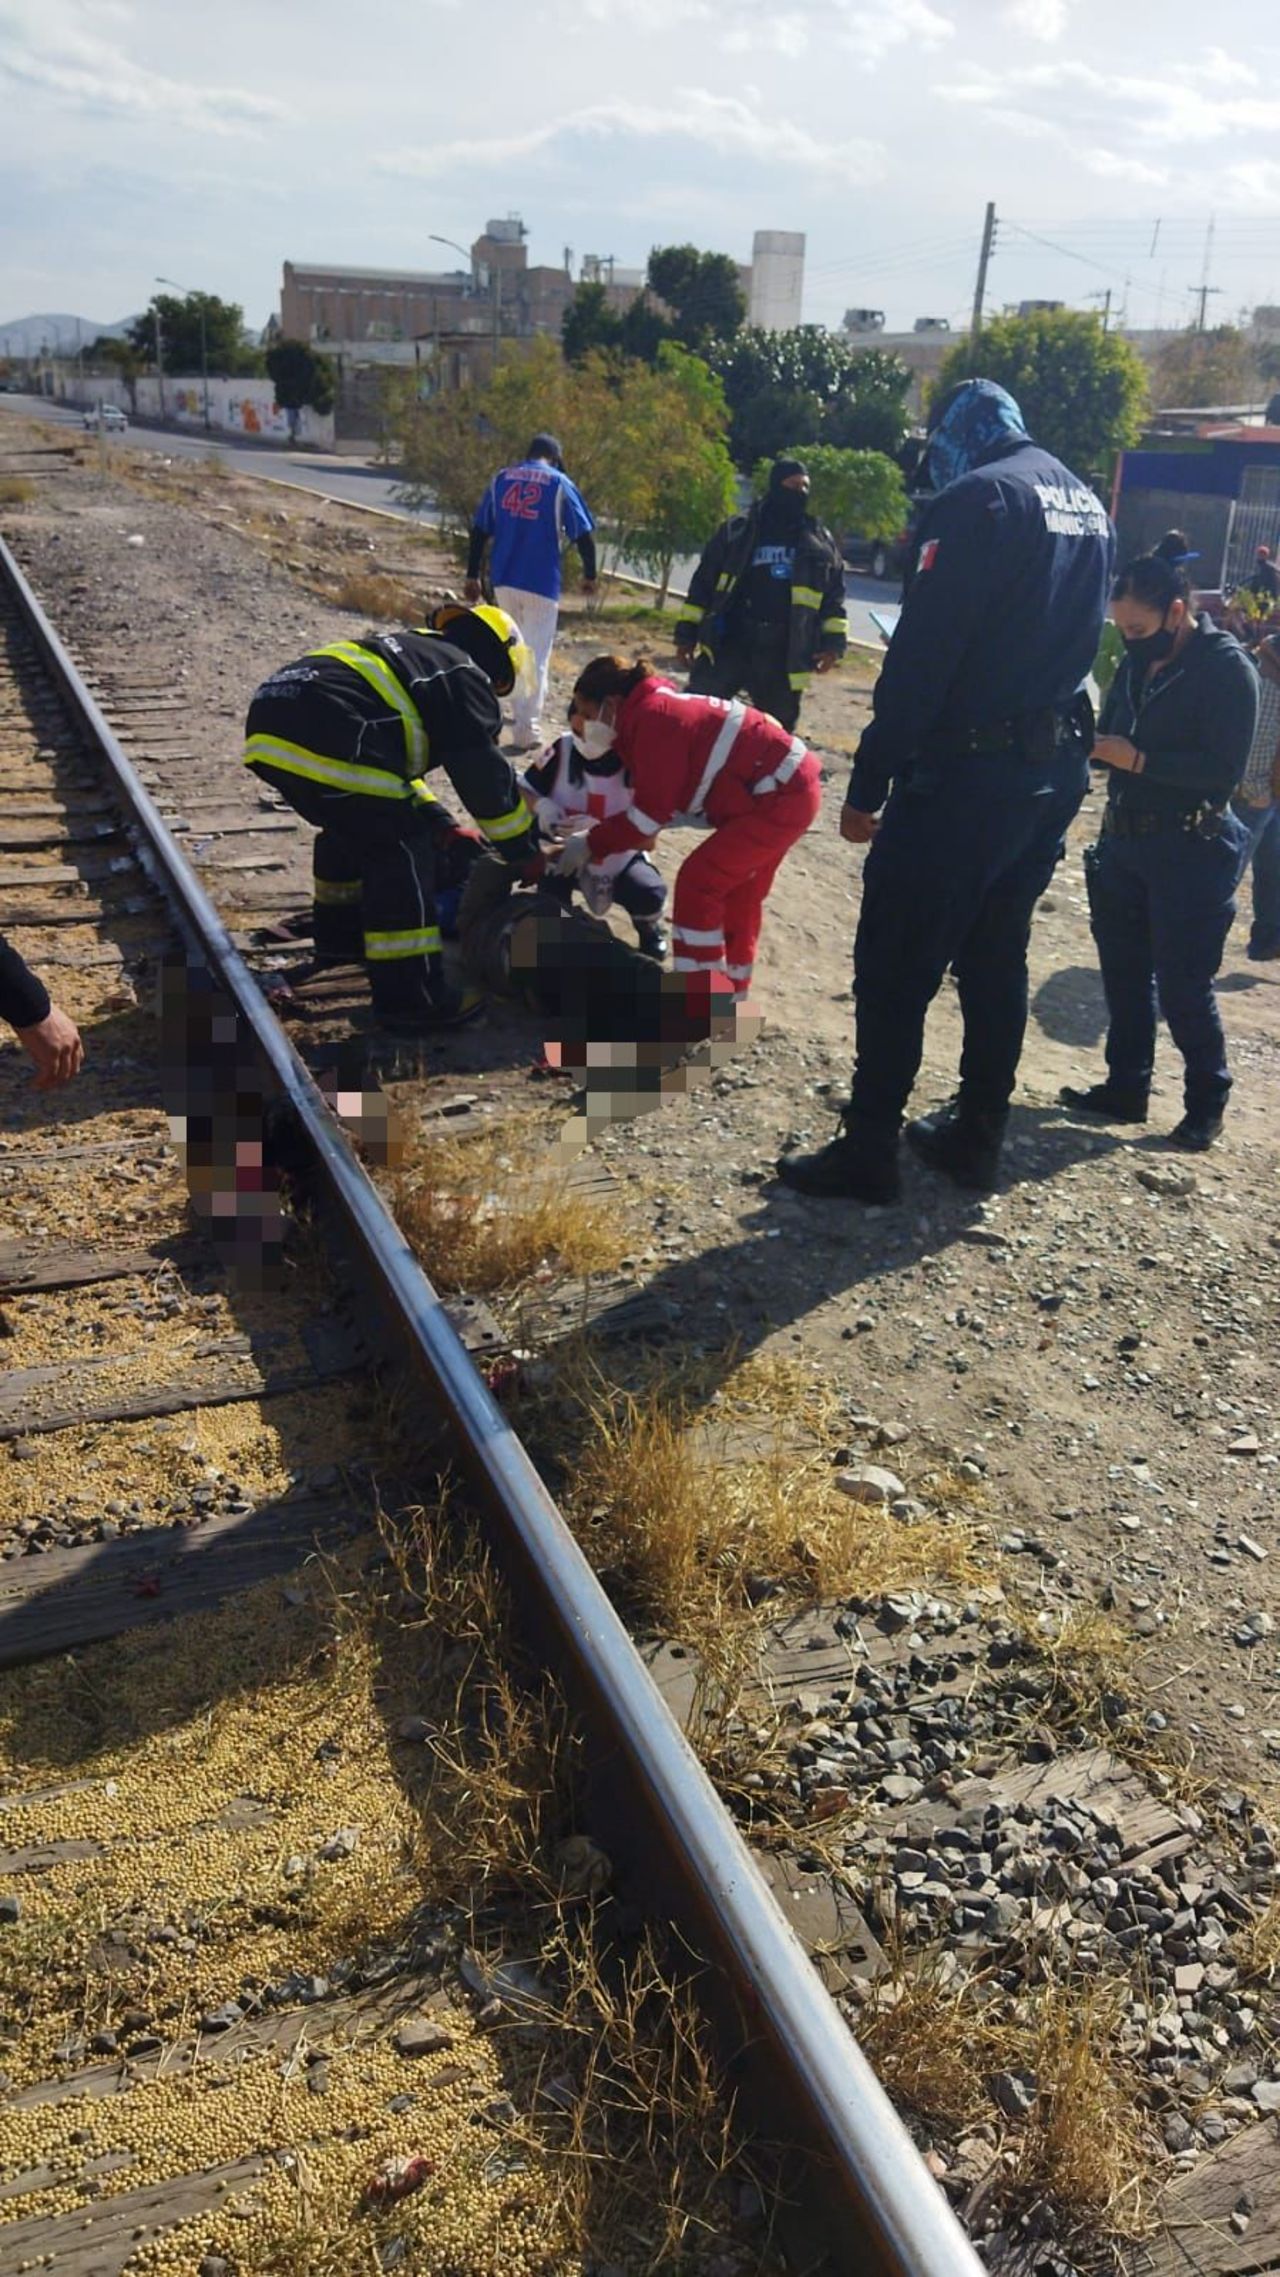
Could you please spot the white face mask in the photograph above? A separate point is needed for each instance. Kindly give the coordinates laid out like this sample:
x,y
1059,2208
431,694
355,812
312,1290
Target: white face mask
x,y
598,736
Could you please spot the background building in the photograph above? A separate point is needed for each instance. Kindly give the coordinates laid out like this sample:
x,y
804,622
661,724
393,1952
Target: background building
x,y
776,288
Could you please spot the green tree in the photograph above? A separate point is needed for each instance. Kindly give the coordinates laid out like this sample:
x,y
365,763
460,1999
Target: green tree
x,y
806,386
701,290
117,355
675,418
223,343
646,447
589,322
850,490
301,377
1081,390
1193,367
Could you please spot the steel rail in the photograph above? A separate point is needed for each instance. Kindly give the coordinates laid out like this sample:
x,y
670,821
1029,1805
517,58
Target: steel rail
x,y
882,2210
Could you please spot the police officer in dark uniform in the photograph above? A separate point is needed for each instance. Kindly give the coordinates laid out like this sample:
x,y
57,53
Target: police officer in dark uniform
x,y
1177,727
980,741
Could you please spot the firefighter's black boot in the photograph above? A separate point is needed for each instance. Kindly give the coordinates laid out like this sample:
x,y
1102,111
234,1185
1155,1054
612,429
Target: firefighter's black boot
x,y
961,1141
860,1164
412,997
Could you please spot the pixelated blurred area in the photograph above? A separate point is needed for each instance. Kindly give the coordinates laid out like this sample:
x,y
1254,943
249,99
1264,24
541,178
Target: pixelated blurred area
x,y
629,1032
368,1118
219,1121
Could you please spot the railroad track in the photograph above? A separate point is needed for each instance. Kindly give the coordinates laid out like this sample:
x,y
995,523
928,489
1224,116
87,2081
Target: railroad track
x,y
134,1352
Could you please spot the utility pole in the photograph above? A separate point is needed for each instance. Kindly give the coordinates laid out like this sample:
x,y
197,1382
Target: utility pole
x,y
497,313
159,363
1204,290
1105,298
984,260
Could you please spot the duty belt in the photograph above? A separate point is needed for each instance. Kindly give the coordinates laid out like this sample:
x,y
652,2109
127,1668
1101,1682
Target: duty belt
x,y
1205,821
1023,732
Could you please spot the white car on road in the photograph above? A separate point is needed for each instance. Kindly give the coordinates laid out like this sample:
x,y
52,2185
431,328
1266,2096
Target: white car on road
x,y
107,416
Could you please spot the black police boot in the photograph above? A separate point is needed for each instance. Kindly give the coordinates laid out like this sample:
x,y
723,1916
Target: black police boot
x,y
962,1142
1199,1127
1112,1101
652,938
860,1164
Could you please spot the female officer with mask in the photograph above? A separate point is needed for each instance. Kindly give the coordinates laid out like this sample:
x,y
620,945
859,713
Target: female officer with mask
x,y
1174,737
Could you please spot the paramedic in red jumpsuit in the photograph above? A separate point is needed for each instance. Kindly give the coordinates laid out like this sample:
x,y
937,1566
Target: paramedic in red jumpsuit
x,y
703,762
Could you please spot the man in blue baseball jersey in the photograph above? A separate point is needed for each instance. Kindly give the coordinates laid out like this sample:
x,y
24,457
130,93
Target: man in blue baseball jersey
x,y
529,513
977,753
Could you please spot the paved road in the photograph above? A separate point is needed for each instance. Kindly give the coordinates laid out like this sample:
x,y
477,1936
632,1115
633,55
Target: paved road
x,y
357,483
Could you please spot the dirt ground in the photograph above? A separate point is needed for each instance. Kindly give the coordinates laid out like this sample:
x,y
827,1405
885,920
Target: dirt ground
x,y
1097,1341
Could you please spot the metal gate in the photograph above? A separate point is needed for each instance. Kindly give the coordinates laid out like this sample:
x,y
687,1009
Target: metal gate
x,y
1255,521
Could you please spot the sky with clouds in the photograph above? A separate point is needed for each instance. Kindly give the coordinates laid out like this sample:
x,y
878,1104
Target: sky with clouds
x,y
209,144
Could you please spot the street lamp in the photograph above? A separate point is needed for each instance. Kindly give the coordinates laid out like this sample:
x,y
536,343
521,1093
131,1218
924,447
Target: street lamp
x,y
204,346
496,275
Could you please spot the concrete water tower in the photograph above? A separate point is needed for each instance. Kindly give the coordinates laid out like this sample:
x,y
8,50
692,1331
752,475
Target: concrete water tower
x,y
777,279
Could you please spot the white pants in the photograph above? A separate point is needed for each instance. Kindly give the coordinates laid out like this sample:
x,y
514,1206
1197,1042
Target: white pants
x,y
536,617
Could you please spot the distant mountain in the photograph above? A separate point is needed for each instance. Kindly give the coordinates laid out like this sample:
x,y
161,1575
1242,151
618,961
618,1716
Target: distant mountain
x,y
62,335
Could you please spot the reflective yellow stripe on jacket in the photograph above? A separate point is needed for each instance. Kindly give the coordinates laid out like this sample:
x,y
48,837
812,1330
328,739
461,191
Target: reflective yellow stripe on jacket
x,y
335,774
496,827
805,597
419,941
382,680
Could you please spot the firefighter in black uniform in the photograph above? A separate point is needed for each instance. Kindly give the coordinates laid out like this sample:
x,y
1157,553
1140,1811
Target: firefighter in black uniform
x,y
346,735
766,602
979,741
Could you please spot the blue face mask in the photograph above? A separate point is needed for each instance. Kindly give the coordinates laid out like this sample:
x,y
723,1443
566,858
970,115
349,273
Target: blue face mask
x,y
980,421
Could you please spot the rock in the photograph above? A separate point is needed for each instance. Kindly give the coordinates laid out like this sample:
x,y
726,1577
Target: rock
x,y
1159,1180
870,1483
1254,1627
214,2265
341,1844
422,2036
1266,2094
898,1788
1179,2134
1246,1444
1014,2093
10,1907
1189,1978
222,2019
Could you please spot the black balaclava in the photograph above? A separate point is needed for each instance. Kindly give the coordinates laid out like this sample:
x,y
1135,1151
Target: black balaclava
x,y
785,510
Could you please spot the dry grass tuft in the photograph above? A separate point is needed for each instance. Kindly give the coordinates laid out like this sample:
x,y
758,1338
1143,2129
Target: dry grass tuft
x,y
1256,1947
937,2040
685,1533
369,593
617,2067
488,1213
493,1768
1089,1660
15,490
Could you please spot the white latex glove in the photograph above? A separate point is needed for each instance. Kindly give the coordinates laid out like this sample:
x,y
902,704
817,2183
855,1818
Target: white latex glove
x,y
548,817
573,856
573,826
